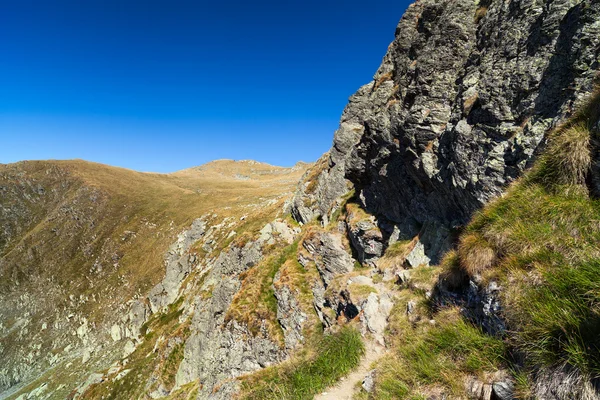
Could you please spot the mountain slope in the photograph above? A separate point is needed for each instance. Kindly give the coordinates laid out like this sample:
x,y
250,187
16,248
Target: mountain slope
x,y
198,284
81,240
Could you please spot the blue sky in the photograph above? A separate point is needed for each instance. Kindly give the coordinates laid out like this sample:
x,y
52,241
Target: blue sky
x,y
162,85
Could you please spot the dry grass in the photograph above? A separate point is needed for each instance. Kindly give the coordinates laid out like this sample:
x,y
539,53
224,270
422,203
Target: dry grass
x,y
480,13
476,255
312,176
355,214
452,276
568,159
383,78
395,255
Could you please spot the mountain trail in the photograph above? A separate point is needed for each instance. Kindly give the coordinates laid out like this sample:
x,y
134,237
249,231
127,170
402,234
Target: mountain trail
x,y
346,387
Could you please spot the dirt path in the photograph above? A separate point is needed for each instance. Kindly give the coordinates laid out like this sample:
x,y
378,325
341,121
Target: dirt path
x,y
345,389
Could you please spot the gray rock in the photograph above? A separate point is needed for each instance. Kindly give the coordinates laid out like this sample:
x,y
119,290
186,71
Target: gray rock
x,y
458,108
374,316
178,266
290,316
329,255
502,391
433,240
367,239
484,307
368,383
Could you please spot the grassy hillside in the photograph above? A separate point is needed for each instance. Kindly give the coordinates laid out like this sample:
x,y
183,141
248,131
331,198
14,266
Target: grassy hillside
x,y
80,239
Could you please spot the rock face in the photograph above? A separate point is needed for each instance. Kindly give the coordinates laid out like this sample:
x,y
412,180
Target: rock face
x,y
178,265
289,315
328,254
219,350
458,108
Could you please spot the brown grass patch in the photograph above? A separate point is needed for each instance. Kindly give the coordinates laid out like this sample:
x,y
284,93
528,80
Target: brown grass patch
x,y
314,172
470,102
355,214
396,254
383,78
480,13
569,155
476,255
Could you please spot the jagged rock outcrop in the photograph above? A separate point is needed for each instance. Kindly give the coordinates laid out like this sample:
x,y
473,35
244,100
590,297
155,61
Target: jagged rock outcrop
x,y
328,253
218,349
458,108
178,264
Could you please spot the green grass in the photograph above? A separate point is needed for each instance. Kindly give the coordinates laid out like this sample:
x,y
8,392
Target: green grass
x,y
559,321
545,243
360,292
334,356
540,241
426,355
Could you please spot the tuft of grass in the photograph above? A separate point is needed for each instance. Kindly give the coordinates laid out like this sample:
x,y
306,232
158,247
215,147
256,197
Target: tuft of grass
x,y
475,254
355,213
568,158
396,253
333,357
559,320
441,354
360,292
452,276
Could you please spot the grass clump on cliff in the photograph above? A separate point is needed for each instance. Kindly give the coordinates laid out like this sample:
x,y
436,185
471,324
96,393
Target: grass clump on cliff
x,y
331,357
540,241
433,352
255,304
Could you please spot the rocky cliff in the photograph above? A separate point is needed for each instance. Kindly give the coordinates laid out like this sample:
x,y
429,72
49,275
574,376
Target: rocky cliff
x,y
458,109
220,282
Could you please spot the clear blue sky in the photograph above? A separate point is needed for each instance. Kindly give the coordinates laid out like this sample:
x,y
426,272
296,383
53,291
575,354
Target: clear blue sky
x,y
162,85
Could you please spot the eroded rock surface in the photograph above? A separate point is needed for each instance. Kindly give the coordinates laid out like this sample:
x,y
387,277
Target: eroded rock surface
x,y
458,108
